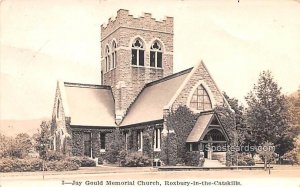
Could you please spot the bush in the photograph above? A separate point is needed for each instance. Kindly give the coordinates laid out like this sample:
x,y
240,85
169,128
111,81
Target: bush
x,y
87,162
62,165
100,160
245,160
290,157
35,164
192,158
20,165
135,159
82,161
54,156
76,160
114,147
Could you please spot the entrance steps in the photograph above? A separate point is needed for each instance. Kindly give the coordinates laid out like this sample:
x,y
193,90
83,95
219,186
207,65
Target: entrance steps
x,y
212,163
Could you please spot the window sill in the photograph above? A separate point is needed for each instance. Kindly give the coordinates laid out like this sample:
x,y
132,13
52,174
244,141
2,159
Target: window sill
x,y
137,66
156,68
157,150
140,150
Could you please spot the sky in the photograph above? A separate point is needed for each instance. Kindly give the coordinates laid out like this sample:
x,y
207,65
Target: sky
x,y
46,41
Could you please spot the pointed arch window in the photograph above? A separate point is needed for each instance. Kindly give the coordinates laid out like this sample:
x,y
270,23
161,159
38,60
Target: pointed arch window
x,y
114,54
156,55
137,52
107,59
200,99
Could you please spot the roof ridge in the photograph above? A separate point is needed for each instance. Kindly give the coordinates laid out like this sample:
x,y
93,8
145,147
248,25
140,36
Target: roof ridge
x,y
169,77
82,85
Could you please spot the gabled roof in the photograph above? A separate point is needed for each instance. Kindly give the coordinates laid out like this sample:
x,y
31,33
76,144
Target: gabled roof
x,y
204,120
153,98
90,105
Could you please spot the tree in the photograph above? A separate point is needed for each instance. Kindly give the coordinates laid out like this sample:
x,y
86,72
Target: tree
x,y
4,145
293,156
23,143
294,108
234,122
268,116
227,118
266,152
17,147
239,125
182,121
43,139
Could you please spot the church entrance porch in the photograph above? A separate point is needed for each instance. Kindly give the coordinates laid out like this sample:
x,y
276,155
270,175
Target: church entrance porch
x,y
213,144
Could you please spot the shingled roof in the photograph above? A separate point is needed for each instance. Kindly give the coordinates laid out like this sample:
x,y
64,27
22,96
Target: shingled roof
x,y
201,124
205,120
153,98
90,105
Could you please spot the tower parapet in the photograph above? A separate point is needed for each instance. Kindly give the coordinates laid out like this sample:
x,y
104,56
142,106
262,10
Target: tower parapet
x,y
147,22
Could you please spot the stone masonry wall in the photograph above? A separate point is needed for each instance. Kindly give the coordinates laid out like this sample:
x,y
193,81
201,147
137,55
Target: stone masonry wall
x,y
148,135
126,80
78,142
201,74
59,125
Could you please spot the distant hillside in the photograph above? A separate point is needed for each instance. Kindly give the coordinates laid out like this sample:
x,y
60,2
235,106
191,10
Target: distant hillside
x,y
14,127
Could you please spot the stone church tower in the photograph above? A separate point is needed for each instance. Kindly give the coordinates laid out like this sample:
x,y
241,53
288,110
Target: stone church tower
x,y
134,51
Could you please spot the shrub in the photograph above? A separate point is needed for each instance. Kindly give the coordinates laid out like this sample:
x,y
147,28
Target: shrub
x,y
35,164
82,161
76,160
54,156
100,160
290,157
20,165
62,165
245,160
135,159
194,158
87,162
114,147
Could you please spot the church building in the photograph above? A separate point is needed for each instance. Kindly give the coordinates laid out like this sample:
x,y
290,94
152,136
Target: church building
x,y
137,93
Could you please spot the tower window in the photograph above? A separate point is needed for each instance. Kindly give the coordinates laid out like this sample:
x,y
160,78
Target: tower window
x,y
107,59
156,55
137,53
200,99
114,54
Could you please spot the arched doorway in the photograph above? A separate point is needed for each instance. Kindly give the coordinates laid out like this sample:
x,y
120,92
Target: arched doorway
x,y
213,141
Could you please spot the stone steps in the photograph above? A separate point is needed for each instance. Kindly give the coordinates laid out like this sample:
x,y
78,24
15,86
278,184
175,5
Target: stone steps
x,y
212,163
